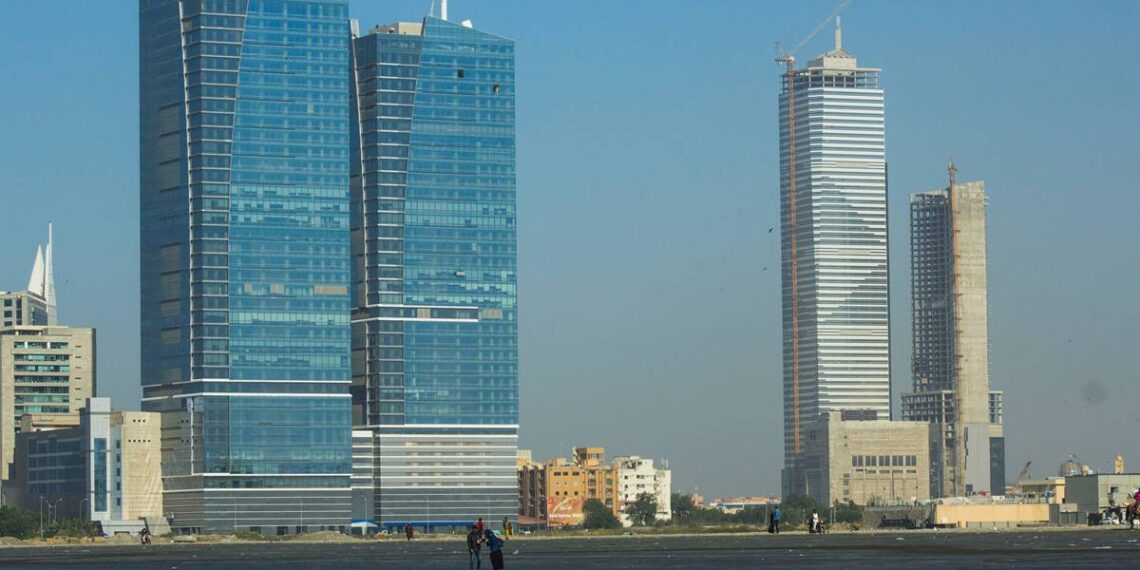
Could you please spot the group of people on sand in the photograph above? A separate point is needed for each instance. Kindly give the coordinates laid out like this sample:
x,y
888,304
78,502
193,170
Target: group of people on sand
x,y
815,523
481,535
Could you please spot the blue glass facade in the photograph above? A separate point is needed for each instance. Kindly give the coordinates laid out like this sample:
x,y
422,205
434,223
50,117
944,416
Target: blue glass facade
x,y
245,257
99,469
435,341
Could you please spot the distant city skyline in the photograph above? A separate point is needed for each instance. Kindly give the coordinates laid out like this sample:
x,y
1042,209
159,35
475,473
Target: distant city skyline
x,y
652,198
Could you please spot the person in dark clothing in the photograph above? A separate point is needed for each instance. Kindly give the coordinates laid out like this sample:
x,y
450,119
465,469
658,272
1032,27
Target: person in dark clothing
x,y
409,531
776,516
474,543
495,544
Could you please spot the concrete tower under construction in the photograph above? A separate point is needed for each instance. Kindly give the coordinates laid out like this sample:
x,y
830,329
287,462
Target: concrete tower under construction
x,y
951,341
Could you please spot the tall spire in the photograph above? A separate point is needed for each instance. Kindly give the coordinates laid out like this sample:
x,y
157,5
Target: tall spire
x,y
36,281
838,34
442,9
49,281
42,280
953,171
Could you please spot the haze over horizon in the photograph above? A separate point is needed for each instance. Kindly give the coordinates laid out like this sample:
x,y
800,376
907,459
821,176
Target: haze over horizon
x,y
647,158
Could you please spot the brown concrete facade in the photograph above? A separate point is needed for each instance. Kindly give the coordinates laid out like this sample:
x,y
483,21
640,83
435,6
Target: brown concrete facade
x,y
867,462
950,356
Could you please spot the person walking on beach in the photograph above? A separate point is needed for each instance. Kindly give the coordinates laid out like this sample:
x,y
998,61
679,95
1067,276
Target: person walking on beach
x,y
409,531
495,544
776,516
474,543
507,530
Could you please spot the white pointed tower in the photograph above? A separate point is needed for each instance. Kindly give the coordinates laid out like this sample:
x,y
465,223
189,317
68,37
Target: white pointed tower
x,y
36,281
42,281
49,281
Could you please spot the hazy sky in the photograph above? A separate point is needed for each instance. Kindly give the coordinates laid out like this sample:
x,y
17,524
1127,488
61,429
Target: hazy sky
x,y
647,159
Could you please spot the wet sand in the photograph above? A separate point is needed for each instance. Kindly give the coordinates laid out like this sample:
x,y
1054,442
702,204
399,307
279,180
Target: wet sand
x,y
917,549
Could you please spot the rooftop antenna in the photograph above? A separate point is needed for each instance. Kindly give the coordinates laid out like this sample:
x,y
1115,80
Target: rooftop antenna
x,y
953,170
49,280
838,34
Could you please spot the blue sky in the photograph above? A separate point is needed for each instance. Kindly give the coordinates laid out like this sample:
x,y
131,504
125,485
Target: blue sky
x,y
647,152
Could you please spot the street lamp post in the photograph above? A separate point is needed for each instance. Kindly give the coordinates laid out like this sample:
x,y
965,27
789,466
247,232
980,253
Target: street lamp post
x,y
41,516
55,509
83,515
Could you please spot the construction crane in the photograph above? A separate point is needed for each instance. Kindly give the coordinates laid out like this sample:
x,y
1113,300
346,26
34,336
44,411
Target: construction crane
x,y
1021,477
788,58
958,474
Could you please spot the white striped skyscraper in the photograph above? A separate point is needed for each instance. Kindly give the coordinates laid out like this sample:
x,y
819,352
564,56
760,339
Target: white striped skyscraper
x,y
834,248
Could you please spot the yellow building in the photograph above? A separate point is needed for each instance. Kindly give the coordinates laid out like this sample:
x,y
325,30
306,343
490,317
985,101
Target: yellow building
x,y
554,492
866,461
45,371
1049,489
991,515
139,436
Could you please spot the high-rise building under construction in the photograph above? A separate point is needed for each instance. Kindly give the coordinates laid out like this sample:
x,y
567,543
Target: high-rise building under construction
x,y
951,341
833,207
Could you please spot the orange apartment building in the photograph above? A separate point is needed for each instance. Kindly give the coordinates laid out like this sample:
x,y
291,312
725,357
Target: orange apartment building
x,y
555,491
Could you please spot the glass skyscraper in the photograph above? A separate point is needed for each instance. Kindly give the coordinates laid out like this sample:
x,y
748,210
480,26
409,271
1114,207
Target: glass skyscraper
x,y
245,250
834,248
435,334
